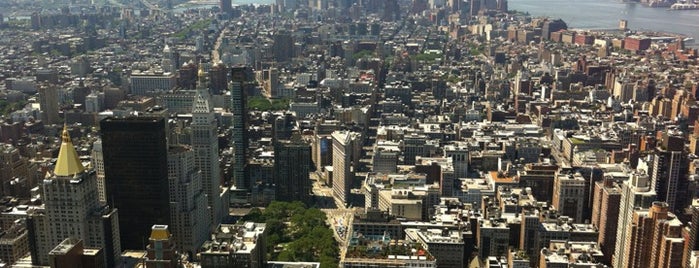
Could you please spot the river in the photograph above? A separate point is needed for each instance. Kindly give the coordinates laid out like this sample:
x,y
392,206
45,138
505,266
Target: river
x,y
599,14
605,14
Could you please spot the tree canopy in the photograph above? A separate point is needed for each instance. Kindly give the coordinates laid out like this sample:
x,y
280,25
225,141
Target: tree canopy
x,y
302,232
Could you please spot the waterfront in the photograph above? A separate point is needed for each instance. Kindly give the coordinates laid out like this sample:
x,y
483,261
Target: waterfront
x,y
600,14
605,14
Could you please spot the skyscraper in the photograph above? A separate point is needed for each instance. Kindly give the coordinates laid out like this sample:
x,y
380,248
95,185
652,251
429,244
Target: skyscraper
x,y
605,213
292,162
669,173
240,77
635,193
569,195
161,248
283,46
218,78
97,159
551,26
48,101
205,147
343,177
135,166
190,213
655,239
73,210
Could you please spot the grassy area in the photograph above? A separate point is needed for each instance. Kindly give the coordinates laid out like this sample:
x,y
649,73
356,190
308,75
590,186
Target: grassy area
x,y
363,54
7,107
576,141
431,57
194,27
302,231
259,103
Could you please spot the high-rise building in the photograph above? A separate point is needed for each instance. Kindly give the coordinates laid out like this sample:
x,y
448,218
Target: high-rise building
x,y
447,246
161,248
283,46
205,146
136,172
48,101
240,76
14,243
97,159
292,164
670,171
655,238
72,210
343,175
569,195
71,252
226,6
551,26
236,246
218,78
142,83
605,213
190,214
635,193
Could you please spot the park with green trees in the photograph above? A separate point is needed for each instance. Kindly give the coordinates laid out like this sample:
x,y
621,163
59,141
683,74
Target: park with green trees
x,y
297,233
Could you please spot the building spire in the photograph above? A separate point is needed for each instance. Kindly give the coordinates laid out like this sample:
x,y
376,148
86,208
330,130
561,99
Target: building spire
x,y
68,163
201,75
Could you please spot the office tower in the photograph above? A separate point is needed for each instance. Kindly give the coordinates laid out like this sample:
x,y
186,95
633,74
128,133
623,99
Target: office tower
x,y
187,78
71,252
72,210
529,228
283,46
97,159
385,158
655,239
48,102
635,193
458,152
240,76
569,195
551,26
475,7
605,213
135,168
226,6
343,175
236,246
205,146
144,83
669,173
563,253
218,78
170,59
414,145
493,238
14,243
447,246
161,248
691,231
190,214
292,163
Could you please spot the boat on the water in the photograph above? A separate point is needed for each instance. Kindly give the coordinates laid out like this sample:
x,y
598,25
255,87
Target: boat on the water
x,y
684,6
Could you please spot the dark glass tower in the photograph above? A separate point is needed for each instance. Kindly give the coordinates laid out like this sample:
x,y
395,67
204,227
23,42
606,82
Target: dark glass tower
x,y
136,175
240,77
292,163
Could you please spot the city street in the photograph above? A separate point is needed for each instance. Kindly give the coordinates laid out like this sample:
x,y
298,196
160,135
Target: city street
x,y
338,217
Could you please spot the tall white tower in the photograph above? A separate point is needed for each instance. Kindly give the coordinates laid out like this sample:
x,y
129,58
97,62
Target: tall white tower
x,y
97,159
189,211
205,146
72,209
